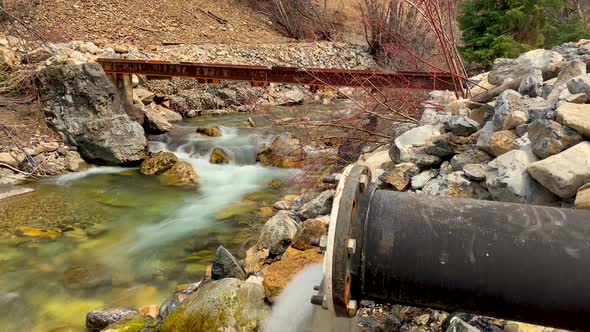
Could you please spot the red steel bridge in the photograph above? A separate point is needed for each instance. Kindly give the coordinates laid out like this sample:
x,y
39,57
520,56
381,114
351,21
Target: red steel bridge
x,y
121,70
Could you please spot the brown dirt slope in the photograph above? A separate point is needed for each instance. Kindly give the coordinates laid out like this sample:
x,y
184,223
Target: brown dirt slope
x,y
152,22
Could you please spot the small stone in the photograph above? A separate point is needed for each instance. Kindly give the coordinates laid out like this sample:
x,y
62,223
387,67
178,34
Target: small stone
x,y
456,185
310,229
209,131
564,173
475,172
420,180
549,137
282,205
440,120
74,162
515,119
152,311
502,142
98,320
319,206
579,84
508,101
522,130
219,156
121,49
158,163
473,156
416,137
462,125
485,135
400,176
583,197
255,259
226,266
575,116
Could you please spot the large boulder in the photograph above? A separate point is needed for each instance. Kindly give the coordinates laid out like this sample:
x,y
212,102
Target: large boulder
x,y
518,69
277,233
575,116
564,173
409,147
549,137
154,122
318,206
97,320
81,103
279,274
222,305
508,181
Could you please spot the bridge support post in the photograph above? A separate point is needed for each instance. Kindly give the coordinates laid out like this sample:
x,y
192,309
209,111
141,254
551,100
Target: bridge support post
x,y
124,87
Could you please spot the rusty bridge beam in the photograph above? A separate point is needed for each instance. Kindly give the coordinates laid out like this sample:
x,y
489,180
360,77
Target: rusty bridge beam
x,y
261,75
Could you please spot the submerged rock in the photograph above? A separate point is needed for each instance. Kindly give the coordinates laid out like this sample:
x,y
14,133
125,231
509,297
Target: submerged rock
x,y
135,323
219,156
222,305
158,163
97,320
226,266
82,104
209,131
182,173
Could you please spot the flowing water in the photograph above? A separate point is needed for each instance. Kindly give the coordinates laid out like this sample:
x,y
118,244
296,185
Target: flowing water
x,y
124,239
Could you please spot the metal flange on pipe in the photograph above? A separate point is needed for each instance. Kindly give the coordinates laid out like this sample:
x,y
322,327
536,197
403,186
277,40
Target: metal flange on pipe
x,y
519,262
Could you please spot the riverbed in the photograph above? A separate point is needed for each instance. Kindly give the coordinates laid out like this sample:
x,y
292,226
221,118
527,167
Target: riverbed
x,y
109,236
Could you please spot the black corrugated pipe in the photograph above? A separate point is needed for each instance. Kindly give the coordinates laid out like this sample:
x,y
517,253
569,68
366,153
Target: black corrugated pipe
x,y
519,262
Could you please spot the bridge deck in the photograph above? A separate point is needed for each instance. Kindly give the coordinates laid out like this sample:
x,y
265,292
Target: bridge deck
x,y
261,75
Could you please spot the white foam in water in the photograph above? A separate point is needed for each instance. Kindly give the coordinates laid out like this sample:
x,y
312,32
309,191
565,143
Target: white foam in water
x,y
70,177
293,312
219,185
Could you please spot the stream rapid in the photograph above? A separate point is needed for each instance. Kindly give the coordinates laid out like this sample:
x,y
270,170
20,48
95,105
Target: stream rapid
x,y
124,239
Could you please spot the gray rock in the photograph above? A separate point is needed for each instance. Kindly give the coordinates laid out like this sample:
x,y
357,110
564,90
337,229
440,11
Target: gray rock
x,y
508,181
462,125
485,136
518,69
226,266
532,85
81,103
155,123
146,97
440,120
569,71
222,305
97,320
455,185
290,97
319,206
549,138
420,180
446,168
507,102
473,156
408,146
579,98
538,109
522,130
565,172
579,84
278,233
474,172
575,116
168,307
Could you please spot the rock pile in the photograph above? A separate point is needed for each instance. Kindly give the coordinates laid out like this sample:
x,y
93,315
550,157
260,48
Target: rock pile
x,y
527,146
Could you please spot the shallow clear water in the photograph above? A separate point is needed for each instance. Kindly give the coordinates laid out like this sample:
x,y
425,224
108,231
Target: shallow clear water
x,y
124,238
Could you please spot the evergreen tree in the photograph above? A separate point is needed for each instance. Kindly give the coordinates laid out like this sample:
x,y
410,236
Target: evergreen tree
x,y
507,28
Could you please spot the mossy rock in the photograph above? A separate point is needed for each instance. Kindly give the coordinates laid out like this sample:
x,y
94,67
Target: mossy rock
x,y
135,323
182,173
227,304
219,156
158,163
36,232
209,131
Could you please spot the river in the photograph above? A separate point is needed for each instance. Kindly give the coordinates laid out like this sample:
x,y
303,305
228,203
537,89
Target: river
x,y
123,239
